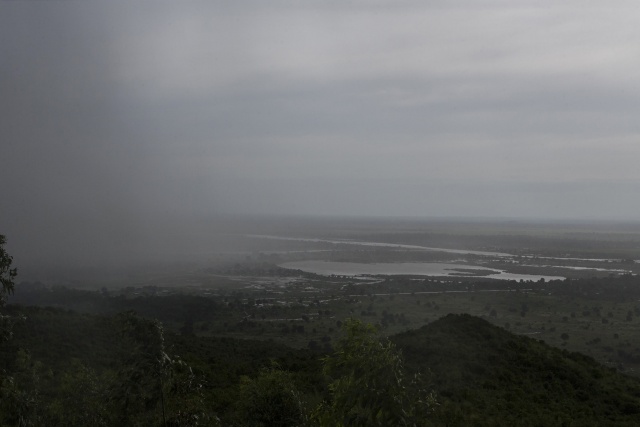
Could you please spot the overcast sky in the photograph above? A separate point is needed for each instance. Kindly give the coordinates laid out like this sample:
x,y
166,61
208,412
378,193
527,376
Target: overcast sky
x,y
115,113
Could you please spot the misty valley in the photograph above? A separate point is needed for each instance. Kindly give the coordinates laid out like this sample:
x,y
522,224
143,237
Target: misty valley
x,y
327,213
503,323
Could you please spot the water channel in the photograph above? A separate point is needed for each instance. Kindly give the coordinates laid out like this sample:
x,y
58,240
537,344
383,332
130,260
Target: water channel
x,y
353,269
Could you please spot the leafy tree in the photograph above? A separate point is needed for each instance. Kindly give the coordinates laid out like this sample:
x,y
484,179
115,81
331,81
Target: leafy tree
x,y
152,382
138,388
7,276
81,398
368,386
18,390
186,405
272,399
20,402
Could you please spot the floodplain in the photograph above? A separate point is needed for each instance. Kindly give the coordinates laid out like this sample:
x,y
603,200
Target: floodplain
x,y
572,285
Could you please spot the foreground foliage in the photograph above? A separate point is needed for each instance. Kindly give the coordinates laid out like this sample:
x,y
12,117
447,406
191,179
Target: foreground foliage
x,y
7,285
368,385
271,399
76,371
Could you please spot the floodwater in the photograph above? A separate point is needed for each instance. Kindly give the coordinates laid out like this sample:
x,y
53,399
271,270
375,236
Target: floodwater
x,y
431,269
385,245
327,268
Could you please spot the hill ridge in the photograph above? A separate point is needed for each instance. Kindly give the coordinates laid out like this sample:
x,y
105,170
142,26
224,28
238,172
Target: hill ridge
x,y
485,375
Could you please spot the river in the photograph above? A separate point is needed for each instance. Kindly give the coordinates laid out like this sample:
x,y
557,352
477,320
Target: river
x,y
327,268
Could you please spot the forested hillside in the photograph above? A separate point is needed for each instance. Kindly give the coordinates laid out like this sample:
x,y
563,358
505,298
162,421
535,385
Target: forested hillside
x,y
485,375
69,368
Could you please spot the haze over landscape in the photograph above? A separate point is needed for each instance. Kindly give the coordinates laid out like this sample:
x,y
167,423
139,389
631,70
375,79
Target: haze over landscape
x,y
319,213
123,123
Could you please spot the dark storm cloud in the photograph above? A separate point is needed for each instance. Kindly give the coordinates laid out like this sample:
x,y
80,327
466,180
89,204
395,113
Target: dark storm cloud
x,y
65,158
119,116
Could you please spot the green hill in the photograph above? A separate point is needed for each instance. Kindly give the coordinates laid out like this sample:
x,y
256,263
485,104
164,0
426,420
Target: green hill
x,y
485,375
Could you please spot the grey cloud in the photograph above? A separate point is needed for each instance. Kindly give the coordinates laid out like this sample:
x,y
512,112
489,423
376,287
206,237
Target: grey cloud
x,y
118,118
